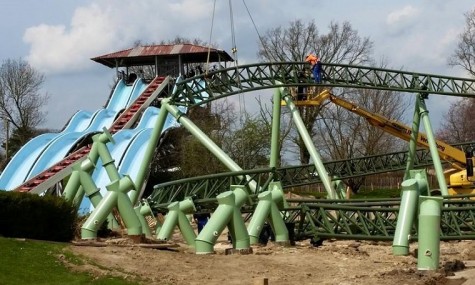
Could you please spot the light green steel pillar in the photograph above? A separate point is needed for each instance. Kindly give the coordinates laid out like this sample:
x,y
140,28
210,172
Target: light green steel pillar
x,y
221,217
406,216
237,227
73,184
205,140
433,147
176,215
106,158
422,181
276,221
268,208
70,190
429,233
323,174
94,195
260,215
275,139
340,188
146,211
148,156
171,220
413,141
79,197
116,196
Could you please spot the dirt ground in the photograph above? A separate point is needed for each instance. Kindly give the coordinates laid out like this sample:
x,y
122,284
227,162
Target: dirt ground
x,y
335,262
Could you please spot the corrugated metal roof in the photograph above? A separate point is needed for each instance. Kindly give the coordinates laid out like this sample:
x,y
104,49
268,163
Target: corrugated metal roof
x,y
143,55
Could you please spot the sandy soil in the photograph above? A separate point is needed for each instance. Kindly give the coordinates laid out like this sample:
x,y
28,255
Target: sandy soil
x,y
335,262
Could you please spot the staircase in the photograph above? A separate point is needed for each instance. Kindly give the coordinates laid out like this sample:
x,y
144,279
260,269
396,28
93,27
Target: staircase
x,y
63,168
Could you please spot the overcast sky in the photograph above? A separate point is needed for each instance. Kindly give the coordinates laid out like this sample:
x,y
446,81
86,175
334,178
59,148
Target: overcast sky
x,y
59,37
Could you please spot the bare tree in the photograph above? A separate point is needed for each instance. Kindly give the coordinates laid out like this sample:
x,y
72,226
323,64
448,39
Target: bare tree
x,y
21,102
464,54
459,122
341,44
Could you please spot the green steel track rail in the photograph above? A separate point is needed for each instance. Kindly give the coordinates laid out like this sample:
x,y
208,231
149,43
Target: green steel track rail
x,y
374,220
210,186
204,88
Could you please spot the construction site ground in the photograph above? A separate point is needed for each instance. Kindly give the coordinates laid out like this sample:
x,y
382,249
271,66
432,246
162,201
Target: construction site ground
x,y
335,262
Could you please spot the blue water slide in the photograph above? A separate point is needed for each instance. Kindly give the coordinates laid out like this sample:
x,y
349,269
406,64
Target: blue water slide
x,y
62,145
78,122
23,163
118,103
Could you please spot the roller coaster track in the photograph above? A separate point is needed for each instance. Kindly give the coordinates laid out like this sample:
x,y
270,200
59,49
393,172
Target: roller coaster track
x,y
374,220
246,78
210,186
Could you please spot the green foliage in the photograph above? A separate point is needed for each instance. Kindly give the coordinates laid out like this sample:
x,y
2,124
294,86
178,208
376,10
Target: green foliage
x,y
32,216
249,146
35,262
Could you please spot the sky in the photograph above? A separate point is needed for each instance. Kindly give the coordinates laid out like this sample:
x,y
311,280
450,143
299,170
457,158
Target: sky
x,y
59,37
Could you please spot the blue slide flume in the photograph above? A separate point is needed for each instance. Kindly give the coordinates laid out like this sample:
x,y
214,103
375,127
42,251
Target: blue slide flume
x,y
47,149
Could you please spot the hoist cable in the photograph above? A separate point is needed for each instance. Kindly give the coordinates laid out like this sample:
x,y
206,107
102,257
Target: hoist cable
x,y
210,37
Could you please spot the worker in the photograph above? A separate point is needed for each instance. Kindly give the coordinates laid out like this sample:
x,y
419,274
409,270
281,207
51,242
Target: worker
x,y
315,66
201,219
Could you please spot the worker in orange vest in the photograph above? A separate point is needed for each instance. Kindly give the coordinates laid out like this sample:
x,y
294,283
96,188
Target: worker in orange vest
x,y
315,66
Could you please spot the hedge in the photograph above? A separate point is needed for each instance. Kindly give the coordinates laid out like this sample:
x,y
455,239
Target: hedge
x,y
37,217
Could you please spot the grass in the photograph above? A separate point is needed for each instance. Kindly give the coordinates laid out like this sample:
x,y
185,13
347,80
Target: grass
x,y
37,262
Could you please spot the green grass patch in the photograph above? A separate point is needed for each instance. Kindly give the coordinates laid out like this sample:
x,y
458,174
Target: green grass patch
x,y
37,262
379,193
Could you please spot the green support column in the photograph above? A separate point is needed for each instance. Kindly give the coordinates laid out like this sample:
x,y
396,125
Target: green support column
x,y
433,148
422,181
340,188
148,156
323,174
260,215
277,222
406,216
205,140
71,187
413,141
171,220
116,196
79,197
106,158
144,210
176,215
221,217
429,233
237,227
268,208
275,138
94,195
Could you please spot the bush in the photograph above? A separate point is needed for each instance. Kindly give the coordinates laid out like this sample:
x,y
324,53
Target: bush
x,y
36,217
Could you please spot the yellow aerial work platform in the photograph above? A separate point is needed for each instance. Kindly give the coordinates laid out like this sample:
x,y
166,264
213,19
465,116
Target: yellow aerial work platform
x,y
307,98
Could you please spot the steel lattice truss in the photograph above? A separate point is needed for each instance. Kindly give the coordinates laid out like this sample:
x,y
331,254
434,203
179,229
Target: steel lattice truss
x,y
323,219
210,186
374,220
225,82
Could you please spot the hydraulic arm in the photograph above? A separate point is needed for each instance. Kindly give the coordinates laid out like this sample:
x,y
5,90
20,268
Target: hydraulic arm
x,y
461,177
